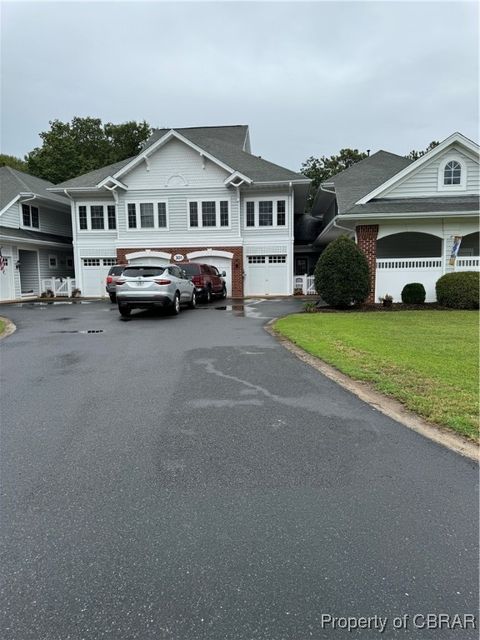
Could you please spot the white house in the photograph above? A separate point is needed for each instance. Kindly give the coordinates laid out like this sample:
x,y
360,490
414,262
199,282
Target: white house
x,y
195,194
35,235
406,215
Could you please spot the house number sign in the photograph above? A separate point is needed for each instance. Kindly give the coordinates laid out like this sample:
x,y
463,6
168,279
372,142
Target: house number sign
x,y
178,257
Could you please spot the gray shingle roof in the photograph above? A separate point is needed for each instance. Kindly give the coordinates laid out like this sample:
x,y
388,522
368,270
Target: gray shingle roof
x,y
8,232
224,143
447,204
13,182
364,176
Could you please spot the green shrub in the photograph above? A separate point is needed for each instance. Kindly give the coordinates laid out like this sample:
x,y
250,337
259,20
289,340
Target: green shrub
x,y
341,274
413,293
458,290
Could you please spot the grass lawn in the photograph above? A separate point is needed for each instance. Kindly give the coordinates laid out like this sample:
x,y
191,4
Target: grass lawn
x,y
2,327
426,359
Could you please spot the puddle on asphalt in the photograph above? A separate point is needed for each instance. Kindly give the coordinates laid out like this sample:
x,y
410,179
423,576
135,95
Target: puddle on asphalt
x,y
34,305
86,331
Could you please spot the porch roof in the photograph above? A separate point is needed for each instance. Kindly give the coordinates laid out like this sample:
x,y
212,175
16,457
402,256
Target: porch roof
x,y
445,204
32,236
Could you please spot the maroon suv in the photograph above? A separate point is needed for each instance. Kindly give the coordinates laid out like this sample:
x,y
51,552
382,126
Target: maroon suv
x,y
207,279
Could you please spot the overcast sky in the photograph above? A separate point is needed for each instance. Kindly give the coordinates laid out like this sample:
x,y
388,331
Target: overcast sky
x,y
309,78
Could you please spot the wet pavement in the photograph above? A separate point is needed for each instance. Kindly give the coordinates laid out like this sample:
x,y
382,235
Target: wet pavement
x,y
186,477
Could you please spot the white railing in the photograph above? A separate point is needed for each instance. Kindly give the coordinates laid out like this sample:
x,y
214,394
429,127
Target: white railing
x,y
409,263
470,263
306,284
59,286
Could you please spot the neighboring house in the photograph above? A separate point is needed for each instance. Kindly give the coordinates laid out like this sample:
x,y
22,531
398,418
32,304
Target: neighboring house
x,y
35,234
195,194
405,215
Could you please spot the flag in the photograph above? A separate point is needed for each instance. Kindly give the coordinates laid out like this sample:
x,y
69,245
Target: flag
x,y
457,241
3,262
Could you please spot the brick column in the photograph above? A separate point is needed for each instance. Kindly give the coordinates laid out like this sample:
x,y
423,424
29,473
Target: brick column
x,y
367,242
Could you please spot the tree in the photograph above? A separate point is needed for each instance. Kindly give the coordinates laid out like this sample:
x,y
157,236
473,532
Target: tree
x,y
12,161
415,155
341,274
320,169
70,149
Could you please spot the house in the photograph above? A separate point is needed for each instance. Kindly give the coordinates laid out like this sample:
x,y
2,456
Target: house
x,y
407,215
35,235
191,194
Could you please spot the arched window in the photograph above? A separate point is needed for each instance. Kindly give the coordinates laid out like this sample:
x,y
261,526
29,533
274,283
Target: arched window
x,y
452,174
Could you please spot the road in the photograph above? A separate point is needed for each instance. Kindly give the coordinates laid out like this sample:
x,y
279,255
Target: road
x,y
189,478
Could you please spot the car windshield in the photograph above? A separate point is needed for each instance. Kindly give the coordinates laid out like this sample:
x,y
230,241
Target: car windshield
x,y
145,272
190,269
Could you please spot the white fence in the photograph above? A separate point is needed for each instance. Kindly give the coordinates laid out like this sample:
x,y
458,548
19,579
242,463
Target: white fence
x,y
59,286
394,273
306,284
471,263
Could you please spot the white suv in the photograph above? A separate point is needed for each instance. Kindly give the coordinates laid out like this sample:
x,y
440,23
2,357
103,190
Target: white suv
x,y
143,287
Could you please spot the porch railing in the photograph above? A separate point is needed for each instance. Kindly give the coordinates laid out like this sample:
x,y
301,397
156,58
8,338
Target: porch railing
x,y
306,284
409,263
59,286
470,263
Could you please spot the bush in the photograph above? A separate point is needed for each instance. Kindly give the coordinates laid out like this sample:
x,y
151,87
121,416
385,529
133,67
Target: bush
x,y
413,293
341,274
458,290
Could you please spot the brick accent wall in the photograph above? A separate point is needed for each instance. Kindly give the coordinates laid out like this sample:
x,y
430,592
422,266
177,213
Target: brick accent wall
x,y
237,261
367,241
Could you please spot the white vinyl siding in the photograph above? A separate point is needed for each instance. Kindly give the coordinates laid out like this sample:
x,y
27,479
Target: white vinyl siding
x,y
55,221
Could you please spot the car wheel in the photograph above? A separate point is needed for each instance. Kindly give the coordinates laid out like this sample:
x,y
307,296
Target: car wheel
x,y
113,297
224,292
125,310
193,302
176,305
208,296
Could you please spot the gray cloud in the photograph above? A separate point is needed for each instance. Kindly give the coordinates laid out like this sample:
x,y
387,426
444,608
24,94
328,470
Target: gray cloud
x,y
309,78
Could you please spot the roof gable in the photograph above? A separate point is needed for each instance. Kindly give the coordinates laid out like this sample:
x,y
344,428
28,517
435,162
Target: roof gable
x,y
14,183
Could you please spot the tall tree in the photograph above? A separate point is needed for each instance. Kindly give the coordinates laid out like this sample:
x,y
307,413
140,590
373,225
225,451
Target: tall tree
x,y
12,161
415,155
70,149
320,169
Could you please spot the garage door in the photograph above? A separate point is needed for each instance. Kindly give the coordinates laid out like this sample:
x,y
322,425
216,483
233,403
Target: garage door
x,y
94,274
7,287
222,264
266,275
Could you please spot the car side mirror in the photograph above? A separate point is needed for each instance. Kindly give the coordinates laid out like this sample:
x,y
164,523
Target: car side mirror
x,y
184,273
223,274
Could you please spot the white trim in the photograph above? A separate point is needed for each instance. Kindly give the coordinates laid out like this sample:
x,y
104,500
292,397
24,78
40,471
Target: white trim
x,y
454,138
47,243
452,157
138,218
411,214
208,253
217,201
11,203
29,227
234,176
274,200
163,255
116,182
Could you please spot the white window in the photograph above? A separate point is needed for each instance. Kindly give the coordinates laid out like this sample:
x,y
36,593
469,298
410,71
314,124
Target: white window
x,y
452,174
147,215
263,212
30,216
208,213
91,262
277,259
97,217
109,262
52,262
256,259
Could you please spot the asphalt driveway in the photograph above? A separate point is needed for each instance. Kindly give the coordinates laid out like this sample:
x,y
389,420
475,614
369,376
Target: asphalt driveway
x,y
189,478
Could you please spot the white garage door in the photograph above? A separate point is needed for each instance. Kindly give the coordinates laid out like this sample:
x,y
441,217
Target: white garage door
x,y
266,275
94,274
7,286
222,264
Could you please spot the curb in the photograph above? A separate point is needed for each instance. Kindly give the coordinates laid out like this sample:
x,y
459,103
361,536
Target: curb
x,y
388,406
9,328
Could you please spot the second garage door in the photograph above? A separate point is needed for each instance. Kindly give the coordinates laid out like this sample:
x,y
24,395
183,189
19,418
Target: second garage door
x,y
222,264
266,275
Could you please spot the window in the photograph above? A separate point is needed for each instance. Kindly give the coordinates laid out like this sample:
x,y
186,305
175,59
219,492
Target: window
x,y
214,213
250,214
82,215
209,216
144,272
52,262
265,213
112,220
193,214
277,259
452,173
109,262
162,214
224,213
280,213
30,217
256,259
132,216
146,215
96,217
91,262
